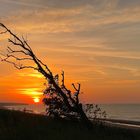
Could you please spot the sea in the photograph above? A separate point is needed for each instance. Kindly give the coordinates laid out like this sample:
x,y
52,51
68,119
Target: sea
x,y
114,111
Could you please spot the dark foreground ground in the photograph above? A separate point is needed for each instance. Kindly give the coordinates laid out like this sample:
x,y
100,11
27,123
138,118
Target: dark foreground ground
x,y
16,125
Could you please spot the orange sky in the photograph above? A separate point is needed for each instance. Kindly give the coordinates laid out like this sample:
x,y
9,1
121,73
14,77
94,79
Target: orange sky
x,y
95,43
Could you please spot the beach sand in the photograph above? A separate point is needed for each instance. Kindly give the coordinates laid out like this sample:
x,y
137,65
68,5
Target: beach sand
x,y
127,124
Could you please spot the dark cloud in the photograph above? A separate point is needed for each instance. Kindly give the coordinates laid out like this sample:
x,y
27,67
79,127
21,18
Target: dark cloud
x,y
126,3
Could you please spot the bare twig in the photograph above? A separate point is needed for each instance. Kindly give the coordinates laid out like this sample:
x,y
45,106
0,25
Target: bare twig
x,y
44,65
3,32
77,91
10,50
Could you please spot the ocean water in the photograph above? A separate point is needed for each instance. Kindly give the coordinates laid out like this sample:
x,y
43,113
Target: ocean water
x,y
123,111
114,111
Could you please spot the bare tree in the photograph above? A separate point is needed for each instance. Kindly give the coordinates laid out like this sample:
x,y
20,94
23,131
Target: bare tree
x,y
60,101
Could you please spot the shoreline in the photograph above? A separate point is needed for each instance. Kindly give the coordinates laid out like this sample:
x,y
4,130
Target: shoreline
x,y
123,124
119,123
131,122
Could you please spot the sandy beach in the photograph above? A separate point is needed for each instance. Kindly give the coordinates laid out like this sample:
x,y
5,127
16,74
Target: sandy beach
x,y
128,124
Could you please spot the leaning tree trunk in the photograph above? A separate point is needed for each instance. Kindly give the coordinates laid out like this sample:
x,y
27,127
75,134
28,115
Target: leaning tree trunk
x,y
78,107
84,118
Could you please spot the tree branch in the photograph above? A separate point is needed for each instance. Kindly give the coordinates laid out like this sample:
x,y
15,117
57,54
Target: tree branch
x,y
44,66
3,32
8,56
21,43
77,91
10,50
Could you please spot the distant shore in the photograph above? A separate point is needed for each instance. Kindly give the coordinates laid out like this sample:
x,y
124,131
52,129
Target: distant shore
x,y
11,104
5,105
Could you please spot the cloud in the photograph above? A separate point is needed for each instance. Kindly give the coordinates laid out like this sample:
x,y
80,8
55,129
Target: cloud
x,y
122,82
32,74
92,51
29,3
74,19
31,91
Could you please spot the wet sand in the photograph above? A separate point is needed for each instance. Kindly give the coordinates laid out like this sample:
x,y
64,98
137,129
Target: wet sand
x,y
128,124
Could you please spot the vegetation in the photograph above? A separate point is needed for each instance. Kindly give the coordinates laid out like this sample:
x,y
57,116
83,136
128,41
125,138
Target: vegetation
x,y
15,125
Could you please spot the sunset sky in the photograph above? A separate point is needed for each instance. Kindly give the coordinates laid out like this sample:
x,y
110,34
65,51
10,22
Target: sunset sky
x,y
96,43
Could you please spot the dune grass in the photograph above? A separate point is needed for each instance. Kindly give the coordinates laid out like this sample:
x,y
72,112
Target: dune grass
x,y
15,125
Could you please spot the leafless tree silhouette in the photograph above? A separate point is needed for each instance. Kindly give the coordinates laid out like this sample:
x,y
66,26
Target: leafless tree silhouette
x,y
60,101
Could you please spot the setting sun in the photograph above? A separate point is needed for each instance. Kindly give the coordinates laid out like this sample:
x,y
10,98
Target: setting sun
x,y
36,100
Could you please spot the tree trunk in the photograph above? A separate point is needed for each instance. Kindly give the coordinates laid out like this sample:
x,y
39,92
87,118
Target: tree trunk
x,y
84,118
78,107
